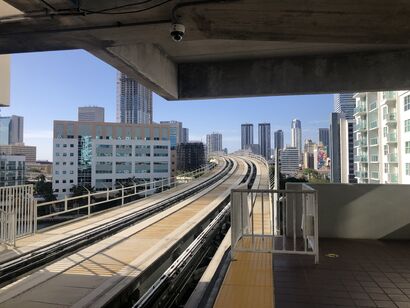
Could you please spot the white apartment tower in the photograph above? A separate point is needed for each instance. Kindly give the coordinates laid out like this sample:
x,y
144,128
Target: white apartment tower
x,y
382,137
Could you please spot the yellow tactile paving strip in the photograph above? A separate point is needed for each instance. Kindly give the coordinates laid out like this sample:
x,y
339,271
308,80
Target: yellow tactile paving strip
x,y
249,278
248,282
71,286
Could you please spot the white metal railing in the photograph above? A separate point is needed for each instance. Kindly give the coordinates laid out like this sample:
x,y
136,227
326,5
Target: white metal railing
x,y
295,230
17,212
52,213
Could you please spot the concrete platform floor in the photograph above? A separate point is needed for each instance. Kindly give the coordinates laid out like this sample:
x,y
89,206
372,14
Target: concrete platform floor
x,y
361,273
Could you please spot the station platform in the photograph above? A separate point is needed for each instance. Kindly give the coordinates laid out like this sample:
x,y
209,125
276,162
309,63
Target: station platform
x,y
249,280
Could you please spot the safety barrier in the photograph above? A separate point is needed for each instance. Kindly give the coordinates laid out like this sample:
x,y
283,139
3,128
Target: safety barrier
x,y
17,212
297,221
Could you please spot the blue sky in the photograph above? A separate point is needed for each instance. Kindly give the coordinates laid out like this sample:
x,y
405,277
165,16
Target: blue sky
x,y
52,85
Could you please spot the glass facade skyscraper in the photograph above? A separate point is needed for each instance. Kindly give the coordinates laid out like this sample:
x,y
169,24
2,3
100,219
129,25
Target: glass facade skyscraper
x,y
246,135
345,103
11,130
279,141
134,101
264,140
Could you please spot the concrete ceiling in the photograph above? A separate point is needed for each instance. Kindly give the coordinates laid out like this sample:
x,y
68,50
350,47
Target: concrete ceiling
x,y
280,43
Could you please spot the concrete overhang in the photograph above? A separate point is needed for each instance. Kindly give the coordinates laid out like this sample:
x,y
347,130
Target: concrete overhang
x,y
231,48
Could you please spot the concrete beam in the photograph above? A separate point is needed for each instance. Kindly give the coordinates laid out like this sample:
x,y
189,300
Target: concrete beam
x,y
146,63
296,75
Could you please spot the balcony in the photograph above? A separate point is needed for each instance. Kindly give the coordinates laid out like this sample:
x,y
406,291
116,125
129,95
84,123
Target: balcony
x,y
391,138
374,158
374,141
361,143
361,174
361,263
360,158
392,158
361,127
374,175
373,125
372,106
390,118
389,95
393,178
359,110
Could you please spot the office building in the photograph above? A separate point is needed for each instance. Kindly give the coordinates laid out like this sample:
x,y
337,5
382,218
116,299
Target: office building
x,y
190,156
324,137
134,101
279,140
296,136
185,135
176,132
382,137
213,143
29,152
289,161
246,135
102,155
264,140
344,103
38,168
91,114
4,80
334,147
12,170
11,130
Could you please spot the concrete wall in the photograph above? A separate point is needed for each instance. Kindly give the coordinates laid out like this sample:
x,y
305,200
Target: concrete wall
x,y
4,80
364,211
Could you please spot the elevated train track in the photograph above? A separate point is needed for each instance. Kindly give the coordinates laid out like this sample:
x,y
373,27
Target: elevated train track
x,y
117,269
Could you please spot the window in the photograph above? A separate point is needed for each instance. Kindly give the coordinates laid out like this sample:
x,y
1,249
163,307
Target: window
x,y
56,190
71,172
104,150
123,167
64,181
57,154
142,150
143,167
407,168
386,150
407,147
57,181
103,167
64,163
407,103
57,145
123,150
57,172
386,168
385,131
71,154
161,167
71,181
57,163
71,145
64,172
71,163
407,125
64,145
64,190
64,154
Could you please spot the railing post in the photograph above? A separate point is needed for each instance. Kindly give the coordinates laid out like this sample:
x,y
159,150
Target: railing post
x,y
35,215
65,203
122,195
145,189
89,203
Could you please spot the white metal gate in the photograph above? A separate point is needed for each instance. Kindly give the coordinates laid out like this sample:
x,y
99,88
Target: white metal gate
x,y
16,212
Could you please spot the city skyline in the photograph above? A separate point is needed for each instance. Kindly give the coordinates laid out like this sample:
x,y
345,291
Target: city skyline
x,y
47,75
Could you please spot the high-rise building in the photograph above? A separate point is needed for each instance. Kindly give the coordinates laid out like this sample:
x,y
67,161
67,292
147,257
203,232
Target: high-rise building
x,y
29,152
134,101
289,161
264,140
12,170
246,135
324,136
279,140
4,80
296,136
185,135
334,148
91,114
213,143
344,103
190,156
11,130
102,155
382,137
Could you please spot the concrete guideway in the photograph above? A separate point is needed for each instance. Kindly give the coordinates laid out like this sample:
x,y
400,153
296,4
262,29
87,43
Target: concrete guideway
x,y
42,239
94,276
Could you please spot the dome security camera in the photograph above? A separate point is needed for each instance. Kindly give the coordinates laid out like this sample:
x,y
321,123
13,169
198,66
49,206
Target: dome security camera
x,y
177,32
